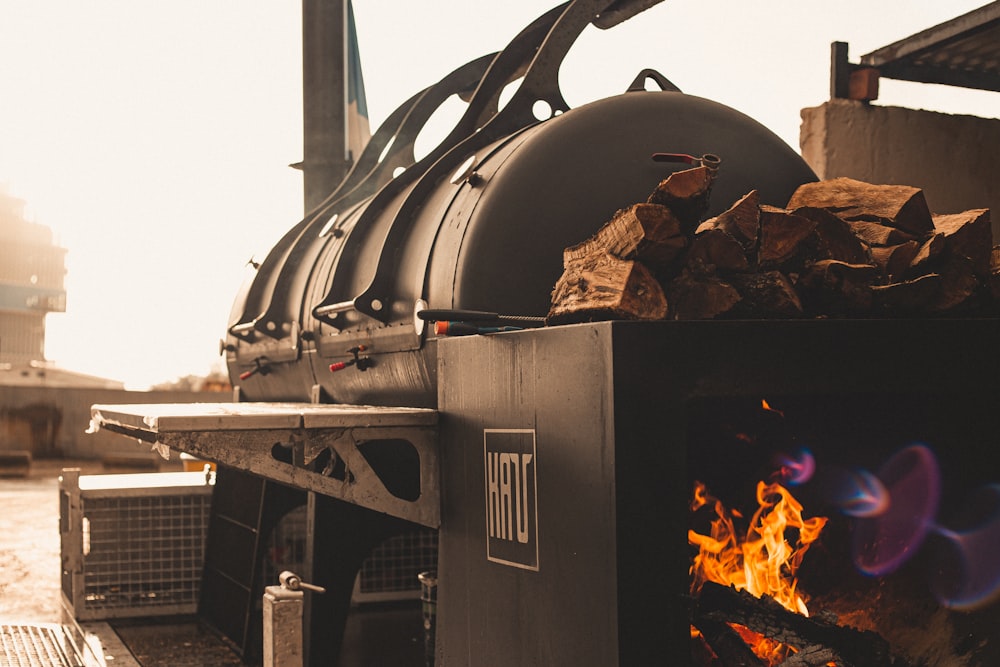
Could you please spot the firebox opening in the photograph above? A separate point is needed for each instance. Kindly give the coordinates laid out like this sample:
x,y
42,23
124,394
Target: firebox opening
x,y
910,495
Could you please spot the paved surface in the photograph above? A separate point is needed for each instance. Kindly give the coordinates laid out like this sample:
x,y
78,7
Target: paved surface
x,y
30,589
29,542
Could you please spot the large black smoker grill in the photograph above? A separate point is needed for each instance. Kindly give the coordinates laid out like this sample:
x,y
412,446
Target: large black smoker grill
x,y
555,463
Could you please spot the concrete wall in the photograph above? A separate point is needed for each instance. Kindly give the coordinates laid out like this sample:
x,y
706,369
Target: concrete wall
x,y
51,422
952,158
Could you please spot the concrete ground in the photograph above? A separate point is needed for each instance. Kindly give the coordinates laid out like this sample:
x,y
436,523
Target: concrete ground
x,y
30,576
30,589
29,542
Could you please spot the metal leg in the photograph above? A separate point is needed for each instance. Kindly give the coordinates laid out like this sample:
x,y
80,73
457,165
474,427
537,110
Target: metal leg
x,y
340,537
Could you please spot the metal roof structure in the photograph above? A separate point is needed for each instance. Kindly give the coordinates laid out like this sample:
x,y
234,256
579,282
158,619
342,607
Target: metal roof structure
x,y
964,51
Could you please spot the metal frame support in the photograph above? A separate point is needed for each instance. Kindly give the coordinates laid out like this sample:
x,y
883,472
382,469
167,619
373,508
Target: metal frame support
x,y
306,446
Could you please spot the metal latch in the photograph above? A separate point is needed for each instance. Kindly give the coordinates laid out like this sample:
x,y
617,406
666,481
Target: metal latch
x,y
293,582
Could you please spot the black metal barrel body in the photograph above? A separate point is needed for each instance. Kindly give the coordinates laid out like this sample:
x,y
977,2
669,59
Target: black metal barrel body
x,y
489,235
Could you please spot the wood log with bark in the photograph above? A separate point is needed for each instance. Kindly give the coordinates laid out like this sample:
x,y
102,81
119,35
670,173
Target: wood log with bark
x,y
787,240
700,296
840,248
968,234
605,287
646,232
900,206
741,221
686,193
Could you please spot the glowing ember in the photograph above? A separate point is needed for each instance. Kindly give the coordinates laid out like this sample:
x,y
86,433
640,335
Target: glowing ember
x,y
761,561
767,407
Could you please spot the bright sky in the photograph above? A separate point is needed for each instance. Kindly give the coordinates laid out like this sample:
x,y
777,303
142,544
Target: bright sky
x,y
154,137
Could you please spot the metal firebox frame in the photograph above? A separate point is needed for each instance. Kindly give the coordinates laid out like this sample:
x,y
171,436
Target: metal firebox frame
x,y
288,443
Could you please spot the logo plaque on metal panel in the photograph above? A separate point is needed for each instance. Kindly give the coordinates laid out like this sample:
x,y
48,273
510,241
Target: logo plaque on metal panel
x,y
511,497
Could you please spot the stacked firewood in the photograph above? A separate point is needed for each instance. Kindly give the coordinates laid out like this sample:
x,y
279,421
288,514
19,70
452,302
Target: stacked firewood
x,y
839,248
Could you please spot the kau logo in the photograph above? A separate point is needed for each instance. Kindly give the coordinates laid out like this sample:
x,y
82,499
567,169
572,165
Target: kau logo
x,y
511,505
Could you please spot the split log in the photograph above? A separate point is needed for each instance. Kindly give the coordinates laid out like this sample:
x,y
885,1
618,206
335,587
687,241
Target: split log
x,y
647,232
765,294
908,297
900,206
686,193
831,287
842,248
894,261
786,239
958,284
929,250
968,234
741,220
700,297
836,238
601,287
877,234
768,618
717,248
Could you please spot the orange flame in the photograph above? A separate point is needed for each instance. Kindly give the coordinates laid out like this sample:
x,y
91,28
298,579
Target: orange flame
x,y
767,407
761,561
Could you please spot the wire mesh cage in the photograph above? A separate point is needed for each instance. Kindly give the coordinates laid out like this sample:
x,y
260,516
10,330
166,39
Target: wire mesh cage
x,y
390,572
133,545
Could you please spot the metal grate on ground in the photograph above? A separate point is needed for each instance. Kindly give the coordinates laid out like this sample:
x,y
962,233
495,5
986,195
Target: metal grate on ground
x,y
41,645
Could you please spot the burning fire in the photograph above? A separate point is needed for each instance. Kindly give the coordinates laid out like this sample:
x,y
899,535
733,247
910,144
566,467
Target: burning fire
x,y
761,561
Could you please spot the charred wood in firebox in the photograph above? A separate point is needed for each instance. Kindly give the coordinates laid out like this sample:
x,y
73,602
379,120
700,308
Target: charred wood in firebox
x,y
811,656
600,287
900,206
647,232
767,617
727,644
686,193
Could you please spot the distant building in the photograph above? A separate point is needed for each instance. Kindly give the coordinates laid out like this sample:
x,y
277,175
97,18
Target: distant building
x,y
32,269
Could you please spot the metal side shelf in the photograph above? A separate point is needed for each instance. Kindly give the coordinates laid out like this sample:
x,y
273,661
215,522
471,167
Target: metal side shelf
x,y
382,458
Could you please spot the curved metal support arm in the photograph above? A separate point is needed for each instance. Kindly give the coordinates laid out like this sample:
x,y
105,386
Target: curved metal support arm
x,y
560,27
505,68
269,292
